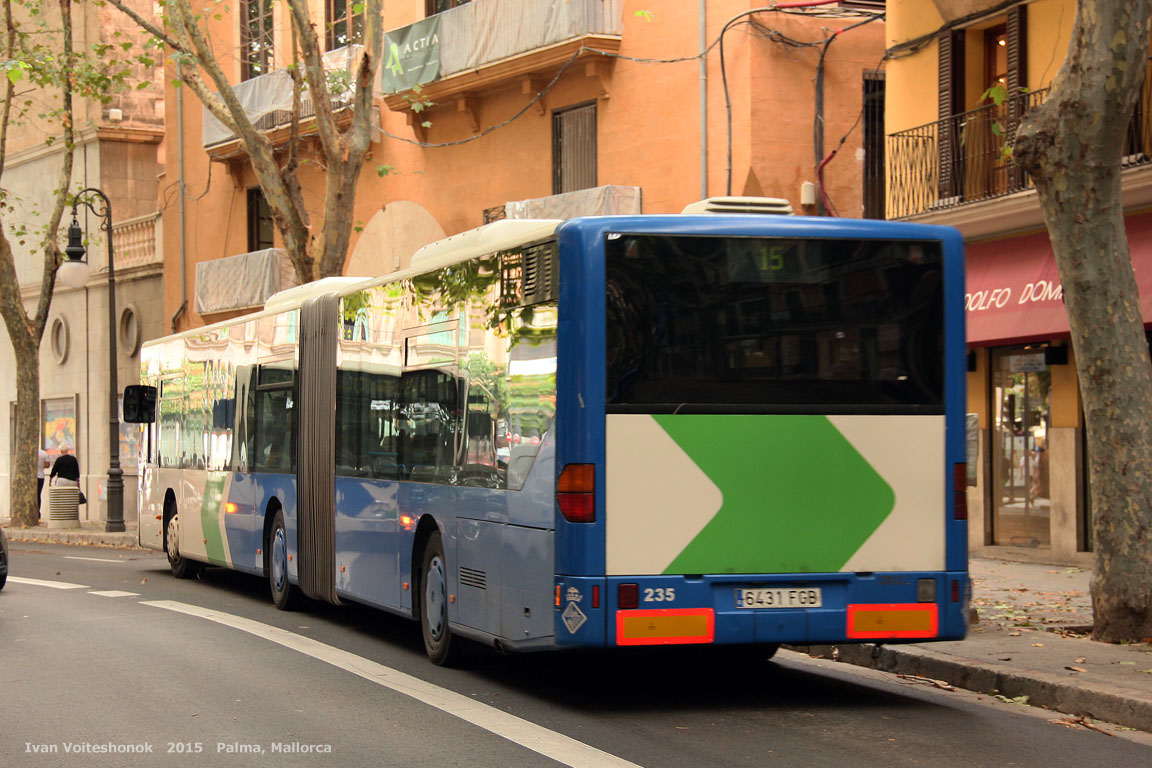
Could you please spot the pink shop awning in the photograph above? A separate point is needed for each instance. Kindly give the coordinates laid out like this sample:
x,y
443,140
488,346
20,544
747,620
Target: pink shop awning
x,y
1013,292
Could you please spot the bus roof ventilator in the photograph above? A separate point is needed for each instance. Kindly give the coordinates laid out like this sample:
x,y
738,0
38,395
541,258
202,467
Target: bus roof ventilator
x,y
761,205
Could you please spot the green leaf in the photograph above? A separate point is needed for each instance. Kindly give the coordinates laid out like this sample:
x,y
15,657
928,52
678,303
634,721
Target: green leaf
x,y
426,124
646,15
998,93
384,170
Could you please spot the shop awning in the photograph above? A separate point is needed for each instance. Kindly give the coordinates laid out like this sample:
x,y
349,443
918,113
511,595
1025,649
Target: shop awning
x,y
1013,291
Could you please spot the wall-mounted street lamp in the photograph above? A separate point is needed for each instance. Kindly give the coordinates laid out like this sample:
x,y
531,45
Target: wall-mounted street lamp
x,y
74,272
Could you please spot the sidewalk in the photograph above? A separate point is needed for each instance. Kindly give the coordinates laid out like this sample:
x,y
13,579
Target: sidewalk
x,y
90,533
1028,644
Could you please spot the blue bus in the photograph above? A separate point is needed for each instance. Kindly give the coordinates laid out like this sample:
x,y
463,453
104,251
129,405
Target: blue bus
x,y
707,428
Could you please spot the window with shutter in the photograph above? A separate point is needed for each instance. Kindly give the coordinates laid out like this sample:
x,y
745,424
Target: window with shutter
x,y
574,149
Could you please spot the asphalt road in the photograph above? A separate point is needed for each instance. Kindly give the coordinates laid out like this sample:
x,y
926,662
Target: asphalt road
x,y
116,663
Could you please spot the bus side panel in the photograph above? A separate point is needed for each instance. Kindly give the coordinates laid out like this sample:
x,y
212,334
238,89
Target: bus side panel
x,y
368,541
580,377
153,484
416,501
280,490
244,525
955,389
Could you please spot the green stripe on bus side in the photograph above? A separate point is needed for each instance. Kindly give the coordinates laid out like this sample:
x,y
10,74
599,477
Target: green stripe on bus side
x,y
798,497
210,518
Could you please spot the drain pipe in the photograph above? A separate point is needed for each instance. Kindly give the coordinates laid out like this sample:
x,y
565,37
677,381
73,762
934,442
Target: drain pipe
x,y
183,239
703,99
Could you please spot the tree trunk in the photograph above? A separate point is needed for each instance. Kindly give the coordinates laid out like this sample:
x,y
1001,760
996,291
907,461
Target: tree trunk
x,y
1071,146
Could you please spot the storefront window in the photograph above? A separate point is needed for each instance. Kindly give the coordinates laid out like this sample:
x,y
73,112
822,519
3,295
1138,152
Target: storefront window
x,y
1021,410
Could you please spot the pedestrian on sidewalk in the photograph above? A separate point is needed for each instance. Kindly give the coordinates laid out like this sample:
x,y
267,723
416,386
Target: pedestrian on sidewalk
x,y
66,472
42,463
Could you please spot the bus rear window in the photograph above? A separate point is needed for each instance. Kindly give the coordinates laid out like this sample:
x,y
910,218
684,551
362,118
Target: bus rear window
x,y
763,324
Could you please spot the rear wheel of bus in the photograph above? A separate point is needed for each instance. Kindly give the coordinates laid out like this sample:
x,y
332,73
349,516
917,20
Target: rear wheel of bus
x,y
439,642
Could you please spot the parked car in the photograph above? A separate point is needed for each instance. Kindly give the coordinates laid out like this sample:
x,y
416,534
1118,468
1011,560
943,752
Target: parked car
x,y
3,558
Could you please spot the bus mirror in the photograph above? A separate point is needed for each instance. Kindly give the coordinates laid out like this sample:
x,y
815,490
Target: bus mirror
x,y
139,404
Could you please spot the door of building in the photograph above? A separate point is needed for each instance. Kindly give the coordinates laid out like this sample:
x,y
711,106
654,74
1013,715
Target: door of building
x,y
1021,414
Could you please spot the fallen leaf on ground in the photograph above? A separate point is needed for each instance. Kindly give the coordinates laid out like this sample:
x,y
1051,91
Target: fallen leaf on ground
x,y
1076,669
1082,721
1037,645
941,684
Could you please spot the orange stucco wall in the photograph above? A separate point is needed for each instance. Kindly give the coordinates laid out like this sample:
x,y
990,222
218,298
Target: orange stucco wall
x,y
648,132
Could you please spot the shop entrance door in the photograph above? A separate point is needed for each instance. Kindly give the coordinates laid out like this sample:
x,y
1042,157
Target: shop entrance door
x,y
1021,409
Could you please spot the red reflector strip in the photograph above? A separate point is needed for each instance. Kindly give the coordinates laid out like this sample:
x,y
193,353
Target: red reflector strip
x,y
894,620
960,491
670,626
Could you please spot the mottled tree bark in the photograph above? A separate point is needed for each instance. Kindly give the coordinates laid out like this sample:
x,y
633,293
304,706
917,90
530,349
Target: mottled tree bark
x,y
1071,146
316,241
26,331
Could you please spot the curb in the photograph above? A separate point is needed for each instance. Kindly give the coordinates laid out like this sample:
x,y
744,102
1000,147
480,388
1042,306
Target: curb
x,y
126,540
1129,708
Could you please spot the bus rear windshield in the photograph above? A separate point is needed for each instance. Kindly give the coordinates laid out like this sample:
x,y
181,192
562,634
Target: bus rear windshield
x,y
746,324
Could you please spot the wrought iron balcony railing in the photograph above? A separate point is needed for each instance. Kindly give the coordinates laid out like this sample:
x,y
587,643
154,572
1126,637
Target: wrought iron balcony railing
x,y
962,159
955,161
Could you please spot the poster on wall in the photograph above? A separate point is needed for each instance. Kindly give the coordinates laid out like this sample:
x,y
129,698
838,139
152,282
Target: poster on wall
x,y
59,425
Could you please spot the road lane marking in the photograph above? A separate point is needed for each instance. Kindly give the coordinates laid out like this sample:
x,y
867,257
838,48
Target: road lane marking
x,y
42,583
535,737
115,593
94,559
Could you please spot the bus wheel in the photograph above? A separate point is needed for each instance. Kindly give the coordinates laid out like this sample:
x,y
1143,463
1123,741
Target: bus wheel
x,y
438,639
284,593
182,567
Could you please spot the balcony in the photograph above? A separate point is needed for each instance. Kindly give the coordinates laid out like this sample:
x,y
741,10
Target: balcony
x,y
134,241
242,282
267,101
951,164
485,45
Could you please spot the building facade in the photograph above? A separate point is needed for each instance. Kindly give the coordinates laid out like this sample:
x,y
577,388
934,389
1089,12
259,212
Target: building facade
x,y
947,164
119,151
535,109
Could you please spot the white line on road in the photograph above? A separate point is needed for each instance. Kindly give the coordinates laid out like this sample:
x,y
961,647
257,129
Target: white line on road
x,y
42,583
537,738
94,559
115,593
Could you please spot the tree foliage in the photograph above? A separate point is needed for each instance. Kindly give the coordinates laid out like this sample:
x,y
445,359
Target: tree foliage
x,y
1071,146
316,249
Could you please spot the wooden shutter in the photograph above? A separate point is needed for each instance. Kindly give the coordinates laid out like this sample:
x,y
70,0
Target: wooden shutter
x,y
951,96
1017,53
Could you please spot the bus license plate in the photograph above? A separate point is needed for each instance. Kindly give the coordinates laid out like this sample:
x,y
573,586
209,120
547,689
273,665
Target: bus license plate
x,y
808,597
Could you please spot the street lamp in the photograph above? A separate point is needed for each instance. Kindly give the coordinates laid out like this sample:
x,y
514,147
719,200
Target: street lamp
x,y
74,272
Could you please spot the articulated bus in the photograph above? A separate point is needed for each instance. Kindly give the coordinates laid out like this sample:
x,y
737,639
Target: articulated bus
x,y
610,431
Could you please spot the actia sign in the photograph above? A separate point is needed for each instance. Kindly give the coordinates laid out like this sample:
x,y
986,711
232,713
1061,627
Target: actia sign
x,y
411,56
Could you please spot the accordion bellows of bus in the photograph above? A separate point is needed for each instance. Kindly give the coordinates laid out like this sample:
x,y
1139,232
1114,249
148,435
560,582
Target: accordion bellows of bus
x,y
716,427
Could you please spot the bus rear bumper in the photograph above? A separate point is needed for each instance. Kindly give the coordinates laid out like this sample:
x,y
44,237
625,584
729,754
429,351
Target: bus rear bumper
x,y
800,609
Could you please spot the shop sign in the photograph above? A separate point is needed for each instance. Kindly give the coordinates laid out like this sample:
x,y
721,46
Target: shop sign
x,y
1030,363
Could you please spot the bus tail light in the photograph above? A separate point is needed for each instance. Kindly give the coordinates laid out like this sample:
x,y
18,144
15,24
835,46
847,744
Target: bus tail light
x,y
576,493
960,491
627,596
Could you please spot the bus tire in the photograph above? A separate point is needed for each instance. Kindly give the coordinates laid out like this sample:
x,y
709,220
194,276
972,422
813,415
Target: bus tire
x,y
285,594
182,567
439,642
